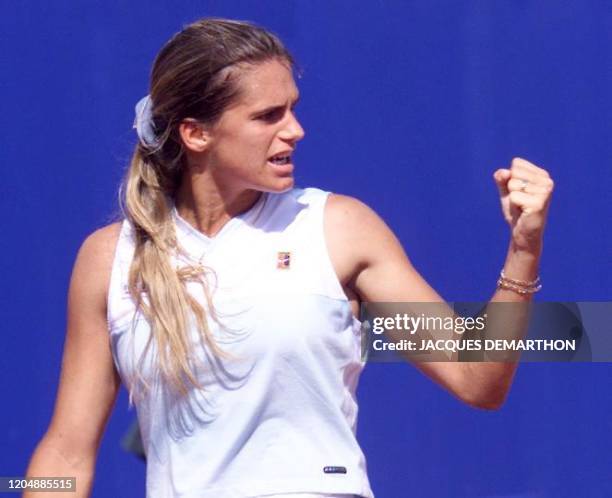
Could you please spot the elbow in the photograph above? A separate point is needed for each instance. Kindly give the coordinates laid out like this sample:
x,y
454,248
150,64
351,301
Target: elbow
x,y
65,453
489,401
487,404
486,385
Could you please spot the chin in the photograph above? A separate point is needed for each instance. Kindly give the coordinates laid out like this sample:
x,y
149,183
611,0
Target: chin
x,y
280,185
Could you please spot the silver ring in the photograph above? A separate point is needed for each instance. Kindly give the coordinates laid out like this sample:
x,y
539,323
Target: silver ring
x,y
524,184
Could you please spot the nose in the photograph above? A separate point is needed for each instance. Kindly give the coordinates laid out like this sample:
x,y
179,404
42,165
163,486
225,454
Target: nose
x,y
293,131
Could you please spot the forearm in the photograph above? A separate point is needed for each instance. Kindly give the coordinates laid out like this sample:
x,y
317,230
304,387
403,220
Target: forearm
x,y
490,381
50,460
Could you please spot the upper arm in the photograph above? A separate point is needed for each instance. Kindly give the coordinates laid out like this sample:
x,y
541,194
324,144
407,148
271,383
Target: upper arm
x,y
369,257
367,254
89,382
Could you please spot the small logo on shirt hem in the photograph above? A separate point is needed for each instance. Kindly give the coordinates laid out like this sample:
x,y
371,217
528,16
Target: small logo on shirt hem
x,y
334,470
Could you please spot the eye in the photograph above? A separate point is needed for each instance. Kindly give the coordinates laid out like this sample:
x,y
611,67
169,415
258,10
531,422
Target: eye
x,y
273,115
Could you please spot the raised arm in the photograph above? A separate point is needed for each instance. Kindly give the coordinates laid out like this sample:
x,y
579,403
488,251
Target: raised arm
x,y
89,382
371,262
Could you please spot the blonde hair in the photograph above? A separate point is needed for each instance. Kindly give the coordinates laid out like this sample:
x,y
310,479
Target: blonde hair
x,y
195,75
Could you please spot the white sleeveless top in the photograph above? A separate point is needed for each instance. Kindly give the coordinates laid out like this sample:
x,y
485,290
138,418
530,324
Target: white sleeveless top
x,y
280,415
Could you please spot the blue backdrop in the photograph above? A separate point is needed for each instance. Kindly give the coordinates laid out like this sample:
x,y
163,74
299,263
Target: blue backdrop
x,y
409,106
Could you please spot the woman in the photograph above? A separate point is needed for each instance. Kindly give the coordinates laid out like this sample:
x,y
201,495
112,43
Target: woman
x,y
230,296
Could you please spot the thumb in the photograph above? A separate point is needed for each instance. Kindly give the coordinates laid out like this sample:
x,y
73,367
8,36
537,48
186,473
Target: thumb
x,y
501,177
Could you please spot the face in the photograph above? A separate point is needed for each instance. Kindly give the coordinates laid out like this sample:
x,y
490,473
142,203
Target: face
x,y
251,145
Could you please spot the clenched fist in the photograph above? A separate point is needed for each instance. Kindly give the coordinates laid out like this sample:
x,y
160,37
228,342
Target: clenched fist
x,y
525,191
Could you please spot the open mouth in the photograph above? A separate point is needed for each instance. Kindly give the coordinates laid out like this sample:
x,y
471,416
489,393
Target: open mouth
x,y
279,160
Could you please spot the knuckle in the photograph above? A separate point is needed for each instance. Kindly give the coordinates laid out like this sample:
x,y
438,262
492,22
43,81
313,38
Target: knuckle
x,y
514,196
548,186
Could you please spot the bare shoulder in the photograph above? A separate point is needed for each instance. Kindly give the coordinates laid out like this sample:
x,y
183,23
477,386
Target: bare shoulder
x,y
344,208
350,221
93,265
350,218
355,235
103,241
345,223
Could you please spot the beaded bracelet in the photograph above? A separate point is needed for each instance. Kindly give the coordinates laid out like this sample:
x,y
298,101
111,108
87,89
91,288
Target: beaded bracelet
x,y
522,283
519,286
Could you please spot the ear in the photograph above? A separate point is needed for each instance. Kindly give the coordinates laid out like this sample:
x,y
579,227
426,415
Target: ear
x,y
195,135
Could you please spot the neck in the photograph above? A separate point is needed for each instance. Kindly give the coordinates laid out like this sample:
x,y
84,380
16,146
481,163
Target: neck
x,y
208,206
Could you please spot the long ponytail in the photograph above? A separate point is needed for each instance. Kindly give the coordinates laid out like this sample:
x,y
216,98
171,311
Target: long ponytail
x,y
168,305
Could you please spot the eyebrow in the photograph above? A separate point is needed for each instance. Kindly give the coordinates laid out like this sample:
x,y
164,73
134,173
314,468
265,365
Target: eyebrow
x,y
273,108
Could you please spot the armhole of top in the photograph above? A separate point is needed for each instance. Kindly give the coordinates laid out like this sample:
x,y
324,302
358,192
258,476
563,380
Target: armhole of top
x,y
335,283
114,285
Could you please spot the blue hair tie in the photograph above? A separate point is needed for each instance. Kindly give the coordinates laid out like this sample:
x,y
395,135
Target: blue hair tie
x,y
143,123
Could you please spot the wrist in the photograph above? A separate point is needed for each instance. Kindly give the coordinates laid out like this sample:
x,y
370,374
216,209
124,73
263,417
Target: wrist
x,y
522,263
530,251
